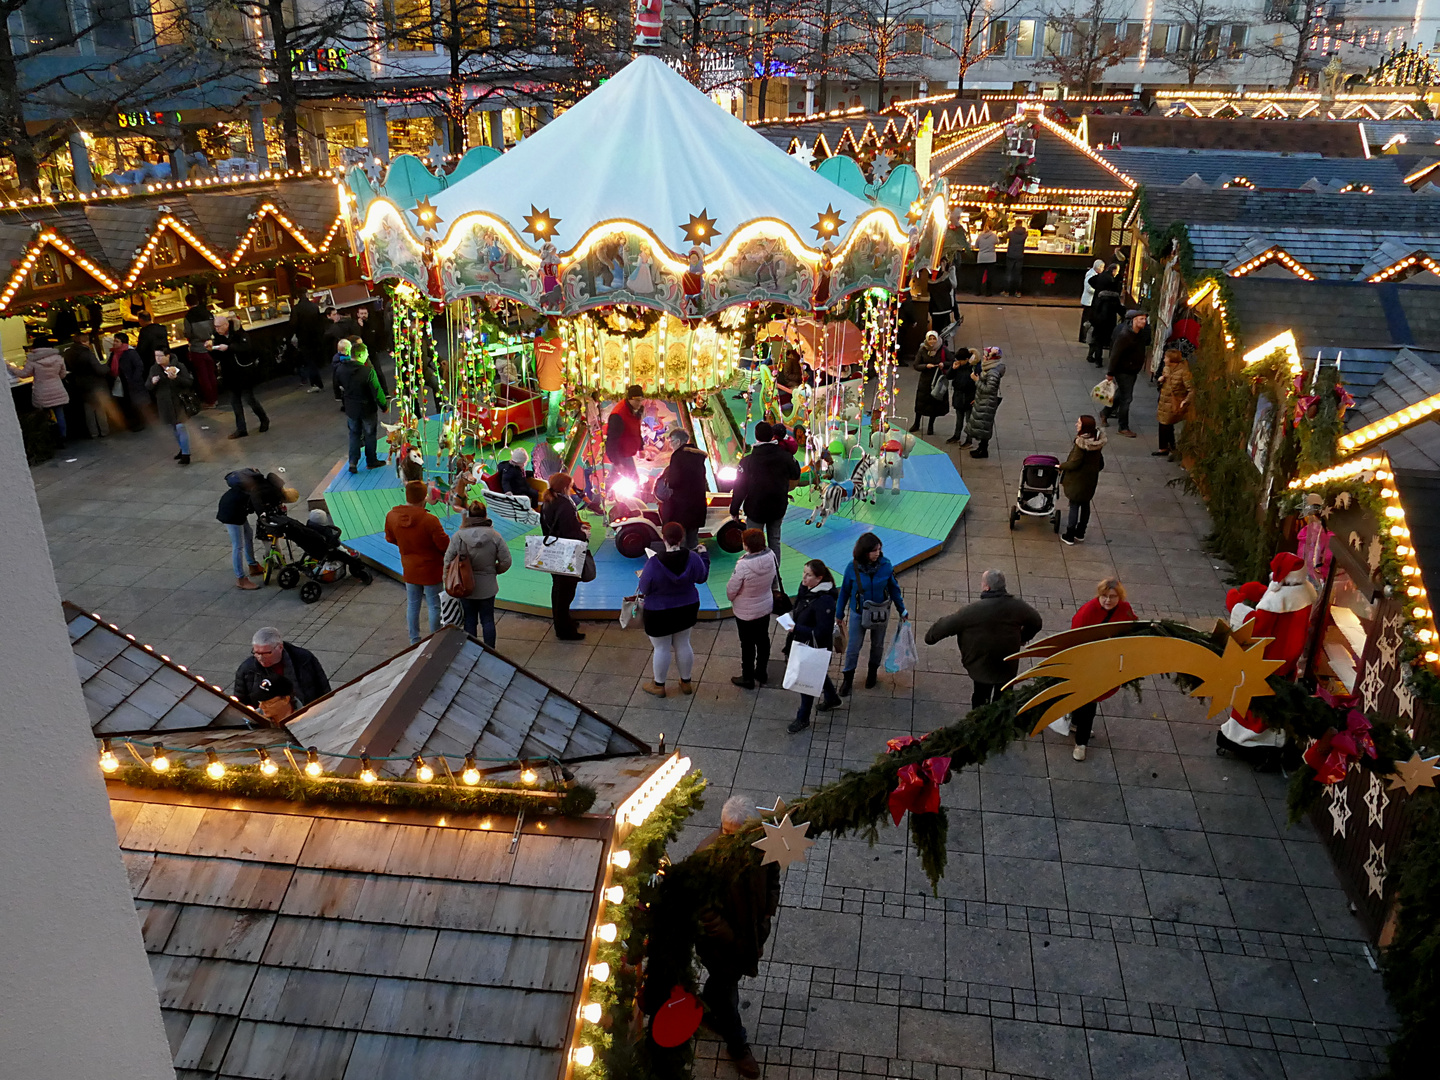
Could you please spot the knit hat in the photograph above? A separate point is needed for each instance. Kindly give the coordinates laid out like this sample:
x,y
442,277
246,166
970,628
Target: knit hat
x,y
991,357
518,456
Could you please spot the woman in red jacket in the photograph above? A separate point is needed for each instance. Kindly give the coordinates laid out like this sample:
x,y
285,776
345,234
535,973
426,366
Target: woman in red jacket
x,y
1109,605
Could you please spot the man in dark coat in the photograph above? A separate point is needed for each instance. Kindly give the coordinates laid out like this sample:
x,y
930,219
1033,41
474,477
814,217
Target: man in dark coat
x,y
685,479
238,367
1015,257
152,338
1104,312
307,326
762,486
338,327
89,384
271,656
1127,360
364,400
989,630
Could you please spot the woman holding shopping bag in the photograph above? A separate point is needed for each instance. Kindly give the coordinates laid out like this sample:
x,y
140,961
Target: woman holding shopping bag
x,y
672,604
752,598
814,615
558,518
867,592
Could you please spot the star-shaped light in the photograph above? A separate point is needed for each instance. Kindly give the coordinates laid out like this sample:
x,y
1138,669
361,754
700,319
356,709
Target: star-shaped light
x,y
917,208
828,224
700,229
1416,773
785,843
426,214
803,154
541,224
777,811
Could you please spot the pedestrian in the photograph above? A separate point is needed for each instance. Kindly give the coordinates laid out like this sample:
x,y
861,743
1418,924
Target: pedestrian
x,y
1087,297
985,241
239,367
1127,360
1177,386
559,519
932,363
198,328
1079,475
734,927
422,543
867,591
152,337
89,384
307,332
792,374
371,328
981,427
1105,309
127,371
963,365
512,478
271,657
622,434
914,324
1108,605
672,604
489,557
681,488
167,380
236,506
762,487
943,309
1015,257
363,401
45,365
814,615
752,599
989,630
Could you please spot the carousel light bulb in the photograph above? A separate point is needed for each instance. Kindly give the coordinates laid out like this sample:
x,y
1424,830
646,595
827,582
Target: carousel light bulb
x,y
615,894
625,487
620,858
108,762
529,776
1431,657
367,773
600,972
312,763
214,768
606,931
728,474
470,775
559,447
592,1012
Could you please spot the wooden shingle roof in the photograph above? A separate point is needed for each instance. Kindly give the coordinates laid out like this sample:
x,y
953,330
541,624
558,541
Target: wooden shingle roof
x,y
287,941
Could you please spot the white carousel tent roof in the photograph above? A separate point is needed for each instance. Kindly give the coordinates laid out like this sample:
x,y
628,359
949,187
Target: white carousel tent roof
x,y
650,148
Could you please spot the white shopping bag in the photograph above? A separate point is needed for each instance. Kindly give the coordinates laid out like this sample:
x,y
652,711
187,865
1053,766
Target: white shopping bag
x,y
902,651
1104,391
552,555
1061,726
631,608
806,671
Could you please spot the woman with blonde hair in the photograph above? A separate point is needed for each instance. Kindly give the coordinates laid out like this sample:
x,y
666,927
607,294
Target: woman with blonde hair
x,y
1108,605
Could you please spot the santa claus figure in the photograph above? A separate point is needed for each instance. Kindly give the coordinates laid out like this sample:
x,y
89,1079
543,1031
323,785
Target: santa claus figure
x,y
1282,613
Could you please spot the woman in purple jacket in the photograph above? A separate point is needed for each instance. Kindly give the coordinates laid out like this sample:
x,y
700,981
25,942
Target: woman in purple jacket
x,y
672,604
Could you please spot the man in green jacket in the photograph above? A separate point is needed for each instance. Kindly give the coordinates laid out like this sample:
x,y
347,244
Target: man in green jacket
x,y
364,400
992,628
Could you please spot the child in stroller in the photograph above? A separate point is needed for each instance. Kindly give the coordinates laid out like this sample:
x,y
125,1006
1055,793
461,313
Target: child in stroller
x,y
1039,494
322,559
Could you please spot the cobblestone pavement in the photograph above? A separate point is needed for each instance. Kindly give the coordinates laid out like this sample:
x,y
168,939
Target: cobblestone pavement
x,y
1145,913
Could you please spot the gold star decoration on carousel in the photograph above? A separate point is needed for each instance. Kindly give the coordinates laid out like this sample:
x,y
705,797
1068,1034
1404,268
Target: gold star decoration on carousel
x,y
828,224
426,214
916,209
1416,773
700,229
785,843
541,224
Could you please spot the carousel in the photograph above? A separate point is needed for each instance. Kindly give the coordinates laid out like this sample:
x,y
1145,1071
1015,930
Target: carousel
x,y
643,238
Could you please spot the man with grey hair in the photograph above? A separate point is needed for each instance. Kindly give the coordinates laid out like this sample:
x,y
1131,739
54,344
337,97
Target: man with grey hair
x,y
732,939
990,629
271,656
680,489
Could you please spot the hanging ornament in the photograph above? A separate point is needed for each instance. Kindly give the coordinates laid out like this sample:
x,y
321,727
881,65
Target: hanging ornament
x,y
785,843
1415,773
678,1019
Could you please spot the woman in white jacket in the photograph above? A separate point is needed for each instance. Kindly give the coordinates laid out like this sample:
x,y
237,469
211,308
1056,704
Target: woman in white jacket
x,y
751,597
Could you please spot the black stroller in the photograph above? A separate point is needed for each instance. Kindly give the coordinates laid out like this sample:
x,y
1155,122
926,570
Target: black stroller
x,y
321,559
1039,494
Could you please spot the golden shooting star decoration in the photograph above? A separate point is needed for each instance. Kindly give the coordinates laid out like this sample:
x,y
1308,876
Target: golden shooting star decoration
x,y
1092,668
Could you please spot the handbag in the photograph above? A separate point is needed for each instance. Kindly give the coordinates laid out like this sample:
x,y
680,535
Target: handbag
x,y
189,401
807,668
117,389
587,572
663,490
1104,391
874,613
556,555
940,391
631,609
780,603
460,575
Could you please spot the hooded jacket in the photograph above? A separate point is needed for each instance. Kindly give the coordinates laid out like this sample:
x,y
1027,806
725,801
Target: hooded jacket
x,y
751,585
47,367
989,630
987,402
422,543
1176,386
686,476
762,489
1080,472
870,583
669,579
487,551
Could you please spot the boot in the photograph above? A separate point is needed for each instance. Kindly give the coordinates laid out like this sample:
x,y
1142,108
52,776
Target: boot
x,y
847,683
686,687
742,682
870,677
245,583
184,459
653,687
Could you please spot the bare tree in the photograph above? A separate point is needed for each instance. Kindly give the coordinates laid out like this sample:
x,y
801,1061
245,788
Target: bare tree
x,y
890,40
831,45
983,28
777,39
60,69
1295,42
1082,42
1200,50
703,43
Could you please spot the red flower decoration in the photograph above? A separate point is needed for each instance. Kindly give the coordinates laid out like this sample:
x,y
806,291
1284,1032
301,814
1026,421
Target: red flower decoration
x,y
1048,277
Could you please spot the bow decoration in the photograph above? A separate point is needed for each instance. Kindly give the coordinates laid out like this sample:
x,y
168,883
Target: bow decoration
x,y
918,789
1333,753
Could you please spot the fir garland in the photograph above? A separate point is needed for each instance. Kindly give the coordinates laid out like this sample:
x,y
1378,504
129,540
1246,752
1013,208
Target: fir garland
x,y
1158,239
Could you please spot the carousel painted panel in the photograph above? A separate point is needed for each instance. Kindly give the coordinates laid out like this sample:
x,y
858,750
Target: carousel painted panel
x,y
760,268
393,253
484,262
623,267
870,261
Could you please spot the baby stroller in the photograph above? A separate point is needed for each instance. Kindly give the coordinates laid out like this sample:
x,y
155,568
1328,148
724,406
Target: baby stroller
x,y
321,559
1039,494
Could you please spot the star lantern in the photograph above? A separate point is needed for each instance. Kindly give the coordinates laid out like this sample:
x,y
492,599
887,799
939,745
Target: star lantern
x,y
426,214
700,229
804,154
541,224
828,223
1416,773
785,843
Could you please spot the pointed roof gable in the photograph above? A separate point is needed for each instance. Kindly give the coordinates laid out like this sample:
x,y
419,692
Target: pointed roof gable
x,y
1061,161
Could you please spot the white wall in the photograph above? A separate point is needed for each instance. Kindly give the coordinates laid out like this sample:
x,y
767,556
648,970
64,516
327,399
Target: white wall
x,y
79,1000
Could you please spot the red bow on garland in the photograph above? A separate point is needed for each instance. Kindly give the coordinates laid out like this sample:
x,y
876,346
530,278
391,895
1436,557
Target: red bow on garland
x,y
1332,754
918,790
1305,402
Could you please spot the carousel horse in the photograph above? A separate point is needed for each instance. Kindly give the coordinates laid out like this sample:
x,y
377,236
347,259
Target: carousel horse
x,y
834,493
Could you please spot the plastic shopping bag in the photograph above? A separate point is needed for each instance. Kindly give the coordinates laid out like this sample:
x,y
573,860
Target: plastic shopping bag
x,y
1061,726
1104,391
630,610
452,613
806,671
902,655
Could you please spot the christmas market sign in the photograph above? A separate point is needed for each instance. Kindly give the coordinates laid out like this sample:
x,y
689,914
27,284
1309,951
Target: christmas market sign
x,y
145,118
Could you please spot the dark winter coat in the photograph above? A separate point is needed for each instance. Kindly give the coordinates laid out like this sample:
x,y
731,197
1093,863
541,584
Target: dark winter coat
x,y
962,386
734,929
1080,472
88,376
198,327
307,324
300,667
513,481
238,365
235,507
1127,355
167,392
686,476
339,330
927,364
989,630
132,374
1105,309
981,424
762,488
360,389
152,338
814,615
558,518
